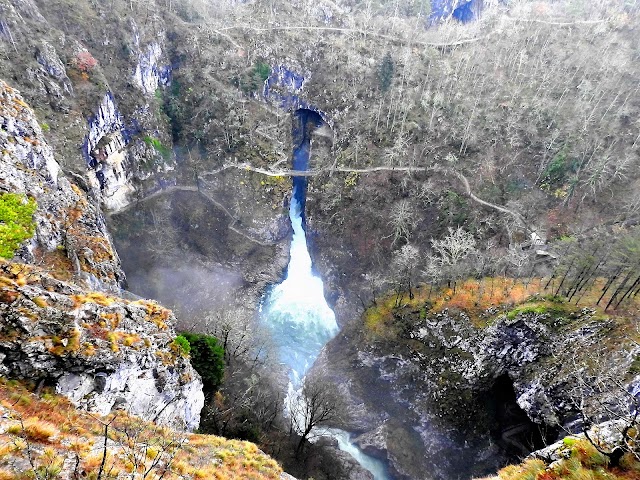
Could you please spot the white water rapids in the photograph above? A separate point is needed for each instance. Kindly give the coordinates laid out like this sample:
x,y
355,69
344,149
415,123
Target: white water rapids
x,y
302,323
296,310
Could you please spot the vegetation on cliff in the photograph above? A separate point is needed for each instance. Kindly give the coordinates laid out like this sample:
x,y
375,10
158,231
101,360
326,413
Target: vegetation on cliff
x,y
207,357
579,460
16,222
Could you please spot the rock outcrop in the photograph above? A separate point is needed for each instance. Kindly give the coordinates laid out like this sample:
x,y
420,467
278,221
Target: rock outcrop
x,y
100,127
453,399
71,234
100,351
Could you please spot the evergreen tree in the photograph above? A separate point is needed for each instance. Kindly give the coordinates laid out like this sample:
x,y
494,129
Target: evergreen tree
x,y
385,72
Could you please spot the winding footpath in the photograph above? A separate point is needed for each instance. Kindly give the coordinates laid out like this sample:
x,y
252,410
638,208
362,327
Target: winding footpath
x,y
311,173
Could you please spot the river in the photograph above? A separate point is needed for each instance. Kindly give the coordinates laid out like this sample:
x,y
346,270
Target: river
x,y
296,311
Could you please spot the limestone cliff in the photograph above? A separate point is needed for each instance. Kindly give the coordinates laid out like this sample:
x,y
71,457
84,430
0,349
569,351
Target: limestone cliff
x,y
71,234
93,77
440,391
100,351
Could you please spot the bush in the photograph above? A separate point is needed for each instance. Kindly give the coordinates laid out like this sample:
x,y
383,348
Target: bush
x,y
16,222
207,357
261,71
159,147
252,79
84,61
558,169
34,429
181,345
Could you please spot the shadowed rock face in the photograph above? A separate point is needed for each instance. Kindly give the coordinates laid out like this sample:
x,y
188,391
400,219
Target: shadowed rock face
x,y
449,400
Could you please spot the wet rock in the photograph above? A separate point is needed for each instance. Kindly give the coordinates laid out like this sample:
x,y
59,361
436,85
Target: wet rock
x,y
346,463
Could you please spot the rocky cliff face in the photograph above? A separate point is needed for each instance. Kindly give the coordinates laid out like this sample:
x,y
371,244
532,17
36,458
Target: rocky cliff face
x,y
71,234
100,351
452,399
93,77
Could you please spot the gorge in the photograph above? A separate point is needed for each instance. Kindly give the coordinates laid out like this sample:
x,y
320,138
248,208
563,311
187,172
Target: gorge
x,y
296,311
455,264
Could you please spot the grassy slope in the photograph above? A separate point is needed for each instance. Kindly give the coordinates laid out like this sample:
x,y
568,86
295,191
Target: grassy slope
x,y
581,462
485,300
44,436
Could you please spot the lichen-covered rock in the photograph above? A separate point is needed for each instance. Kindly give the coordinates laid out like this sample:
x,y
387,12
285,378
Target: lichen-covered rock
x,y
102,352
71,235
606,433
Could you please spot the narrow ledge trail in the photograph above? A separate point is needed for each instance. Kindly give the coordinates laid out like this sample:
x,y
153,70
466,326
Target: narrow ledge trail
x,y
312,173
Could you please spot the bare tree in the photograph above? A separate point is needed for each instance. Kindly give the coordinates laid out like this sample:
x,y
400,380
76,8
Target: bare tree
x,y
403,221
599,393
405,265
450,253
455,247
318,403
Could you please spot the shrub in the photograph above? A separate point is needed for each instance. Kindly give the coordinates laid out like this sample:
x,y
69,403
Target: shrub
x,y
261,71
207,357
529,470
158,146
16,222
34,429
181,345
85,62
253,78
558,169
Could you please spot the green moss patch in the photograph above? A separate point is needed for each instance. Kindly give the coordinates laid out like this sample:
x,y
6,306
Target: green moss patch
x,y
16,222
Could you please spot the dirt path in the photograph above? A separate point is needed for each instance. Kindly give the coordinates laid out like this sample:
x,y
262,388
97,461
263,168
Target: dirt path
x,y
312,173
192,188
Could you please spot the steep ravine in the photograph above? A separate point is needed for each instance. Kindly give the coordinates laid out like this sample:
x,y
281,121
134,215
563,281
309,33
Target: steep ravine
x,y
296,311
445,399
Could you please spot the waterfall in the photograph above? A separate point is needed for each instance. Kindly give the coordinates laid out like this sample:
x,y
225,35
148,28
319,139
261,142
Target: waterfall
x,y
296,312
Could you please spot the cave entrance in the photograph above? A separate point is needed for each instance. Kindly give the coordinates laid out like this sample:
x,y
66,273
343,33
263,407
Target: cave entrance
x,y
512,429
305,122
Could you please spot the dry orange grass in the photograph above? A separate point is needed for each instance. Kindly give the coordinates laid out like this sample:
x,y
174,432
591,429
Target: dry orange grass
x,y
34,429
135,445
475,297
